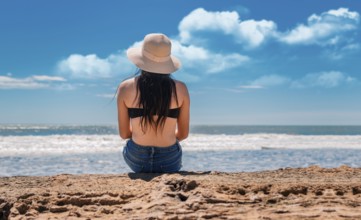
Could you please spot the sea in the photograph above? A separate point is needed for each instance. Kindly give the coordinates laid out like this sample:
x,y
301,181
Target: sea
x,y
39,150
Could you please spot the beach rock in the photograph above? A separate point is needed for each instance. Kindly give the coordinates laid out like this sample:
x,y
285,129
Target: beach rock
x,y
4,209
21,207
57,209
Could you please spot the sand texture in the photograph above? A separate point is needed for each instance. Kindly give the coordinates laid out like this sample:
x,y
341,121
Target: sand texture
x,y
291,193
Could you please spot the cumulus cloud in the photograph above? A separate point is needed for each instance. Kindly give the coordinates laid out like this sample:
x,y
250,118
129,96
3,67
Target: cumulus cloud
x,y
324,29
329,79
250,33
201,59
32,82
200,20
194,58
327,28
91,66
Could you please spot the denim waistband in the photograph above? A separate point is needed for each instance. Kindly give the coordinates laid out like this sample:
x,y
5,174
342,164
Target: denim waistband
x,y
143,148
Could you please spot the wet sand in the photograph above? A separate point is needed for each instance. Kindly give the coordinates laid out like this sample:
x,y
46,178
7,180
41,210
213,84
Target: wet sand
x,y
290,193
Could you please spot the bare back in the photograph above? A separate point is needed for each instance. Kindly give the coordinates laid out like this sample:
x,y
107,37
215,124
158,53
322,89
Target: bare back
x,y
174,128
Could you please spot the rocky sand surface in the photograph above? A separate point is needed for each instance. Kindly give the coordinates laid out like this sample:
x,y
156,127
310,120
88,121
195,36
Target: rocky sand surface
x,y
290,193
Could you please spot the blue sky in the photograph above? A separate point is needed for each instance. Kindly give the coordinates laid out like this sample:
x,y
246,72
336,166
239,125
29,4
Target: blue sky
x,y
276,62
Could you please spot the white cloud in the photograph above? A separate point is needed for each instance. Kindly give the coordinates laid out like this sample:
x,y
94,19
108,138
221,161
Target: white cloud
x,y
269,81
254,33
91,66
328,28
7,82
263,82
200,20
32,82
343,13
199,59
243,88
219,63
205,61
329,79
250,33
193,58
48,78
324,29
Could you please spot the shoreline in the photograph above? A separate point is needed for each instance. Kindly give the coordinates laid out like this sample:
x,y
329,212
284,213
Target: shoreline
x,y
286,193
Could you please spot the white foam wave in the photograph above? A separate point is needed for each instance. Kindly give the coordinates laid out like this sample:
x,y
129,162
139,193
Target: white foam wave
x,y
58,144
26,127
70,144
271,141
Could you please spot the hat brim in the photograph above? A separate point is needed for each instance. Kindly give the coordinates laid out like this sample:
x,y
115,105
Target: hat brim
x,y
166,67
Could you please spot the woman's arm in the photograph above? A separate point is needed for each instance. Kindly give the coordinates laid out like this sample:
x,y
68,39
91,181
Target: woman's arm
x,y
184,114
125,131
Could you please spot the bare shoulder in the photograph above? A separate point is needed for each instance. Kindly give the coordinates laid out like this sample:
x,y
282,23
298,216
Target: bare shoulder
x,y
181,87
126,87
182,92
126,84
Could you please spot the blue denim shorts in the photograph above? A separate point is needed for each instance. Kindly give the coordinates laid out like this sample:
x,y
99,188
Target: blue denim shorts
x,y
149,159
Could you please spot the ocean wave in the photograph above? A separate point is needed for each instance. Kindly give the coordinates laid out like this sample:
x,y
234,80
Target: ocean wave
x,y
70,144
42,130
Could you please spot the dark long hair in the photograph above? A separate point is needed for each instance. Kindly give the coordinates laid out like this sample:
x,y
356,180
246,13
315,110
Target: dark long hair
x,y
154,95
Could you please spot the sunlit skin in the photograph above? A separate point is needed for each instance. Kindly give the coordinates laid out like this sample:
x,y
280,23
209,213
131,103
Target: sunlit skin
x,y
174,129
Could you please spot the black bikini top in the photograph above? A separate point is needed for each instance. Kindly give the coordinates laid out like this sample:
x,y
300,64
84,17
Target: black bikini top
x,y
138,112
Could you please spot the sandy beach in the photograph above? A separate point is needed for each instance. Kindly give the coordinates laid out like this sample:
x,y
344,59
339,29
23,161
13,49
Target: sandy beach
x,y
290,193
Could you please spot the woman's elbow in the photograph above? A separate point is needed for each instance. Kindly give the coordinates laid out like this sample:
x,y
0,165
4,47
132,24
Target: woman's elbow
x,y
125,135
182,136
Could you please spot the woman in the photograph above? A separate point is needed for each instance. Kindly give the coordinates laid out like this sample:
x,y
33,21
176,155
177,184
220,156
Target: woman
x,y
153,109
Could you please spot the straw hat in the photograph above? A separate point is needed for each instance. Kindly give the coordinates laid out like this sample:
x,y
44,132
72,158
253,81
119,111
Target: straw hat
x,y
154,55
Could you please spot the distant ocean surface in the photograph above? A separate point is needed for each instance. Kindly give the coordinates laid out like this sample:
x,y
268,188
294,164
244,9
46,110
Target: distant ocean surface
x,y
53,149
